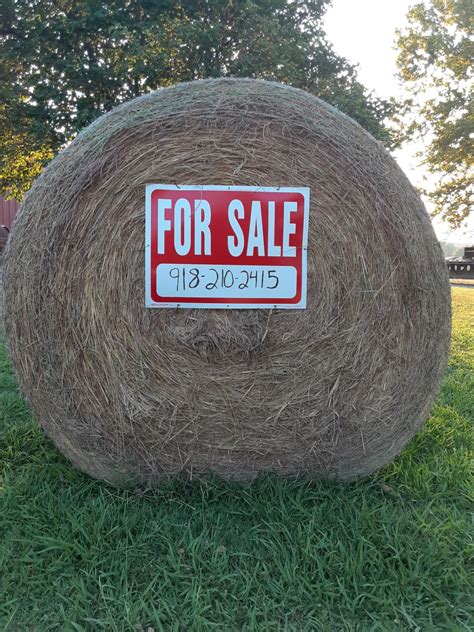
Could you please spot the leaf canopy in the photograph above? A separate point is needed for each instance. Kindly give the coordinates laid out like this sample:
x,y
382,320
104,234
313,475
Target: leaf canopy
x,y
65,62
435,62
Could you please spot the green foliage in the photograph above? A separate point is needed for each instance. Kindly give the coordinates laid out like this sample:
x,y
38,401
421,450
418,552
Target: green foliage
x,y
65,62
22,157
435,62
386,554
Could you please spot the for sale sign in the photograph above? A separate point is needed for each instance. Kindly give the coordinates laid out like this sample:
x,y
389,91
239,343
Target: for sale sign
x,y
226,247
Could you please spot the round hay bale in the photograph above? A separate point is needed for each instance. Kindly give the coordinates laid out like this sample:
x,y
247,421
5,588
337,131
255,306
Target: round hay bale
x,y
133,394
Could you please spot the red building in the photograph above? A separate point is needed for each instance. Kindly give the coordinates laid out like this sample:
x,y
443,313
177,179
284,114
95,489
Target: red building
x,y
8,209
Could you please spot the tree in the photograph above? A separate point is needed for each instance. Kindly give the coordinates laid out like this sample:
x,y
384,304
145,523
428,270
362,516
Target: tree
x,y
435,62
65,62
451,250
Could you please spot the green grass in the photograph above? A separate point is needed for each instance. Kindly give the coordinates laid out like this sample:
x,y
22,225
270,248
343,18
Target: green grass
x,y
387,553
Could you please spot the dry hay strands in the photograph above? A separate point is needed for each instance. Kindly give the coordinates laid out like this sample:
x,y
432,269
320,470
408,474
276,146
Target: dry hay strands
x,y
133,394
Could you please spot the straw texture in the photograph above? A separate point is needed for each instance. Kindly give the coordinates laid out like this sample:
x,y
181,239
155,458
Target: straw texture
x,y
130,394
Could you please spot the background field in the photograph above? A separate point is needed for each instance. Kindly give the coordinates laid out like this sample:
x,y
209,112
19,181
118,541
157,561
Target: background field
x,y
387,553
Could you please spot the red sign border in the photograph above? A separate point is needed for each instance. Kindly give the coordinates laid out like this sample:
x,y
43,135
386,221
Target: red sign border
x,y
216,303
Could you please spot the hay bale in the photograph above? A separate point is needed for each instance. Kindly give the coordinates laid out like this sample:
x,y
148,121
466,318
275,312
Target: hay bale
x,y
134,394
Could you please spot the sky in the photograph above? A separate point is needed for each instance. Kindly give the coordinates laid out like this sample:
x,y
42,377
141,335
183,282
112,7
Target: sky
x,y
364,32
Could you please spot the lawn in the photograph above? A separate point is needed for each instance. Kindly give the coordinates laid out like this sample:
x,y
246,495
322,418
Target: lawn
x,y
386,553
